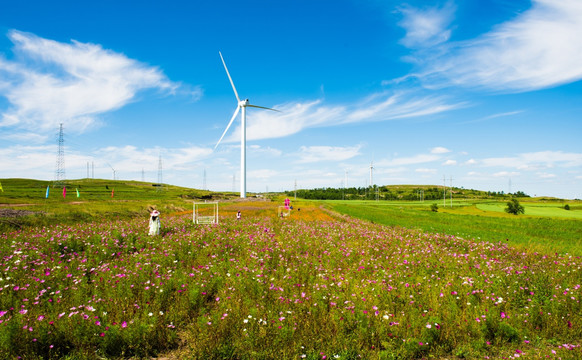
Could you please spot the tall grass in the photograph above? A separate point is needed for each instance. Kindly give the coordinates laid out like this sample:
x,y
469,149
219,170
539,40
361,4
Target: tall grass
x,y
269,288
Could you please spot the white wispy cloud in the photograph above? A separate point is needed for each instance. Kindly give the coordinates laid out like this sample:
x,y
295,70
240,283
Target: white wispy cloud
x,y
39,161
50,82
410,160
439,150
296,117
426,27
264,151
426,171
311,154
450,162
540,48
536,160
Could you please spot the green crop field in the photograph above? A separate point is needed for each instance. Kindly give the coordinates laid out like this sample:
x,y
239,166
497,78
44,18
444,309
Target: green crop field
x,y
482,222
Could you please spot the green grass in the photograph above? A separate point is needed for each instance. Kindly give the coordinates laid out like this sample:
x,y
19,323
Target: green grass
x,y
538,209
95,201
545,234
269,288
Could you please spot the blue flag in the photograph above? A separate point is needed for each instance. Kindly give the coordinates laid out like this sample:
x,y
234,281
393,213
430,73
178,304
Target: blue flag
x,y
47,192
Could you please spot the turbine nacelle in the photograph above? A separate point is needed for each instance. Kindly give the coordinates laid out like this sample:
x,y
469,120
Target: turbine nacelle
x,y
244,102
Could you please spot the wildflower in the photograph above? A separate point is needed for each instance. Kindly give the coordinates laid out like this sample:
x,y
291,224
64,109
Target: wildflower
x,y
428,326
124,324
150,314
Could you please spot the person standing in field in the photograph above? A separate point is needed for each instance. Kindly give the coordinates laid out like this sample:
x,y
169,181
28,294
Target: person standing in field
x,y
238,215
155,223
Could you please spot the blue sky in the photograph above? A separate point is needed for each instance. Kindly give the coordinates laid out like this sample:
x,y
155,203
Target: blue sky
x,y
487,92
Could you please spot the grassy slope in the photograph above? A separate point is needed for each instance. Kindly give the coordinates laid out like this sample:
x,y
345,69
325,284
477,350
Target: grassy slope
x,y
130,198
538,233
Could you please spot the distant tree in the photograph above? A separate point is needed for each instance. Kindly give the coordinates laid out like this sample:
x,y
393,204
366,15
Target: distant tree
x,y
513,207
434,207
566,207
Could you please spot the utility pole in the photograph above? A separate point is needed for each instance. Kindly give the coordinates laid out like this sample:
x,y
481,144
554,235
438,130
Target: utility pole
x,y
451,190
60,170
295,191
444,192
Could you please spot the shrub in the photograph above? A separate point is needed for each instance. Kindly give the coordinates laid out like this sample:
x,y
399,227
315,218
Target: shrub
x,y
434,207
513,207
566,207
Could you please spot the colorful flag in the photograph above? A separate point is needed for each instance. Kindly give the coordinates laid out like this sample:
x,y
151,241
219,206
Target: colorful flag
x,y
47,192
77,192
112,191
64,192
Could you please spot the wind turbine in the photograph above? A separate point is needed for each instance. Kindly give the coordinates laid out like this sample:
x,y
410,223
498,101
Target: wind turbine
x,y
371,173
113,170
242,104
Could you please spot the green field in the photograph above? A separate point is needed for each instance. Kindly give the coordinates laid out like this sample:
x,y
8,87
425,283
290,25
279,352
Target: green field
x,y
482,222
98,199
539,209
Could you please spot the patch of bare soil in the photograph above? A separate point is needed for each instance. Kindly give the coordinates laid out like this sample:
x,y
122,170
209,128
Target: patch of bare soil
x,y
13,213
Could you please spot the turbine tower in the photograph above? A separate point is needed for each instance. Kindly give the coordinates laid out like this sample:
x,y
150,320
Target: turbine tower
x,y
372,173
242,105
114,171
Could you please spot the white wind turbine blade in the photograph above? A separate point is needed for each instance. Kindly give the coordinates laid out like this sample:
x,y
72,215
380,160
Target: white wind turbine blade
x,y
230,123
262,107
229,78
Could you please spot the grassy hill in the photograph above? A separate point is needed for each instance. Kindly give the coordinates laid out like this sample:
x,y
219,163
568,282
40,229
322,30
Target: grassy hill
x,y
400,192
98,198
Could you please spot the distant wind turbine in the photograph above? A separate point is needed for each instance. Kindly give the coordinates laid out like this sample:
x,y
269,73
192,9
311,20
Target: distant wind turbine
x,y
113,170
242,104
371,173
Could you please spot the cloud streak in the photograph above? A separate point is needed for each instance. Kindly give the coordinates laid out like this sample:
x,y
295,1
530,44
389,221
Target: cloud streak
x,y
298,116
538,49
312,154
72,83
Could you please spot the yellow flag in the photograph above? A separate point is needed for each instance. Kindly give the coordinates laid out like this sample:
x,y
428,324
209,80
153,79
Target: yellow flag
x,y
1,187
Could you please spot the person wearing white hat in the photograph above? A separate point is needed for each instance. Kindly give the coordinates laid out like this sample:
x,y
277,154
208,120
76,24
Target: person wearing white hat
x,y
155,223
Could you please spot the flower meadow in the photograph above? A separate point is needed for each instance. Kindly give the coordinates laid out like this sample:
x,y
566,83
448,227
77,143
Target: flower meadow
x,y
268,288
